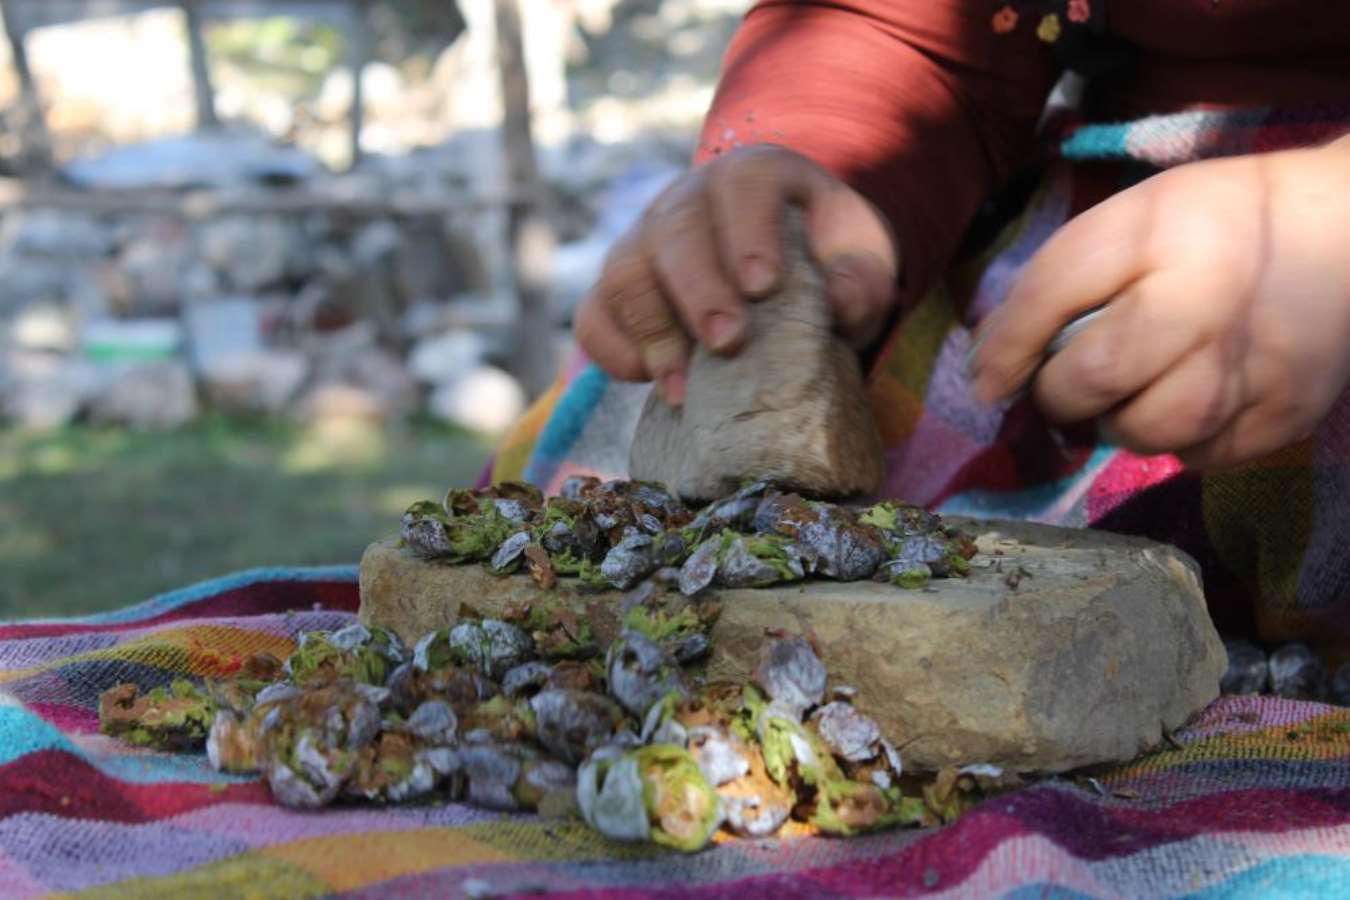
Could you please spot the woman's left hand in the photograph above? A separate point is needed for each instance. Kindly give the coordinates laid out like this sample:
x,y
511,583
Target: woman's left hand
x,y
1226,333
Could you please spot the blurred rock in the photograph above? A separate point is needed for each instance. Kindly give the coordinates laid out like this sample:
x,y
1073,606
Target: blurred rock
x,y
327,402
332,347
161,272
222,328
375,243
355,378
42,391
423,264
54,234
148,396
196,160
28,280
485,399
382,373
261,381
447,357
254,252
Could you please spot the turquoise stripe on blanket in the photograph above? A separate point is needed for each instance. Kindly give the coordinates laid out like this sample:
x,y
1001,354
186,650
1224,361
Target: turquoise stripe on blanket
x,y
565,425
23,732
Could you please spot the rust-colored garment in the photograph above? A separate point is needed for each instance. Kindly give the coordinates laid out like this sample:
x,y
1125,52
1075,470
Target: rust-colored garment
x,y
927,110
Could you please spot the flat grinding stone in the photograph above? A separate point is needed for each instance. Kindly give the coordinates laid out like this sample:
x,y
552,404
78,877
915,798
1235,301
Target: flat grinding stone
x,y
1064,648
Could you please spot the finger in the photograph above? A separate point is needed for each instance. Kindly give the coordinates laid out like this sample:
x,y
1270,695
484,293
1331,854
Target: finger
x,y
1092,258
1139,335
635,303
605,343
747,194
1248,437
678,239
860,288
1188,405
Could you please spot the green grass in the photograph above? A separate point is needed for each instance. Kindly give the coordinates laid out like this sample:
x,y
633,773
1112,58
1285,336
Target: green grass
x,y
94,519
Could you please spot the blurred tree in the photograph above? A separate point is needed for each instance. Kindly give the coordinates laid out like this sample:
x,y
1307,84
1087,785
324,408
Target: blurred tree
x,y
34,142
528,229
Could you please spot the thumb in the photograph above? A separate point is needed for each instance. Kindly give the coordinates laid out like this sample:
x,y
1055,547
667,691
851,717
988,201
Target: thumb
x,y
857,251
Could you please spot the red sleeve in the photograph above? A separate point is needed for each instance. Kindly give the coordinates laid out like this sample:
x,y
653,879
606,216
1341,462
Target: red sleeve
x,y
918,104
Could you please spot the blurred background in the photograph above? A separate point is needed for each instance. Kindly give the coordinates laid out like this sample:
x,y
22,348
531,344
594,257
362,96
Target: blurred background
x,y
270,271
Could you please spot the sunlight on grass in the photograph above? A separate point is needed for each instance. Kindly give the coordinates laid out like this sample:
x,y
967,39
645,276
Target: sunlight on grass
x,y
18,543
141,514
336,443
54,459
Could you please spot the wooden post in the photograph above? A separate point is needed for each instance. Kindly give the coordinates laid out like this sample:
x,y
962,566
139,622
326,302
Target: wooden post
x,y
528,230
34,141
358,55
201,69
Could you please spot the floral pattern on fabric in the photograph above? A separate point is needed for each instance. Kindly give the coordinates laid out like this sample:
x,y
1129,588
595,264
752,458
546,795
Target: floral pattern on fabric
x,y
1052,17
1075,29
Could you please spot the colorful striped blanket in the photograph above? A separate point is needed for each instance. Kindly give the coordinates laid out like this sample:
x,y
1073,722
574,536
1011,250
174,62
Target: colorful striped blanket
x,y
1252,799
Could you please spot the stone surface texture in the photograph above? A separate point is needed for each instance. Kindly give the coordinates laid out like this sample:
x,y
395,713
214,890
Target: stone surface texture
x,y
1064,648
789,407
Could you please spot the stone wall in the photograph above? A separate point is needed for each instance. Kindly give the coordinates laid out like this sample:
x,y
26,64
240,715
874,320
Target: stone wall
x,y
156,290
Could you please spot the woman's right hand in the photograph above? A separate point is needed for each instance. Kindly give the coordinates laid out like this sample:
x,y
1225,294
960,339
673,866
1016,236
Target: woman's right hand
x,y
710,243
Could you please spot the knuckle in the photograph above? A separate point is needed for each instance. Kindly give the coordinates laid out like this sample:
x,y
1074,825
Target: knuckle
x,y
1099,369
645,317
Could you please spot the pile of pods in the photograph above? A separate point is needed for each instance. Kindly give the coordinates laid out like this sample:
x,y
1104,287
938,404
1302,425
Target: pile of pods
x,y
615,534
630,741
530,712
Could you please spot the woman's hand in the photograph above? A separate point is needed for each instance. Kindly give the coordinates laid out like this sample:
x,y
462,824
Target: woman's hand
x,y
713,241
1227,330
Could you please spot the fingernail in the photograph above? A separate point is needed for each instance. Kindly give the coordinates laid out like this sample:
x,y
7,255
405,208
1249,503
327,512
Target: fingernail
x,y
757,276
672,388
722,330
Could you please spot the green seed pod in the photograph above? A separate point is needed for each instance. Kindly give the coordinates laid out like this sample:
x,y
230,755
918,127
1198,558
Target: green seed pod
x,y
356,652
500,720
175,718
682,807
310,742
654,793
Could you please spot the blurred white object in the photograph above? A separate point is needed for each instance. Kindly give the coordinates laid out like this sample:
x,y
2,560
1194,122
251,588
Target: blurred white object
x,y
43,326
194,160
258,381
447,357
485,399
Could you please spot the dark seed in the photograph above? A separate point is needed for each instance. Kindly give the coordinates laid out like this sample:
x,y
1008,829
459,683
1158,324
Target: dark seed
x,y
1247,669
700,568
509,553
1296,672
1340,686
